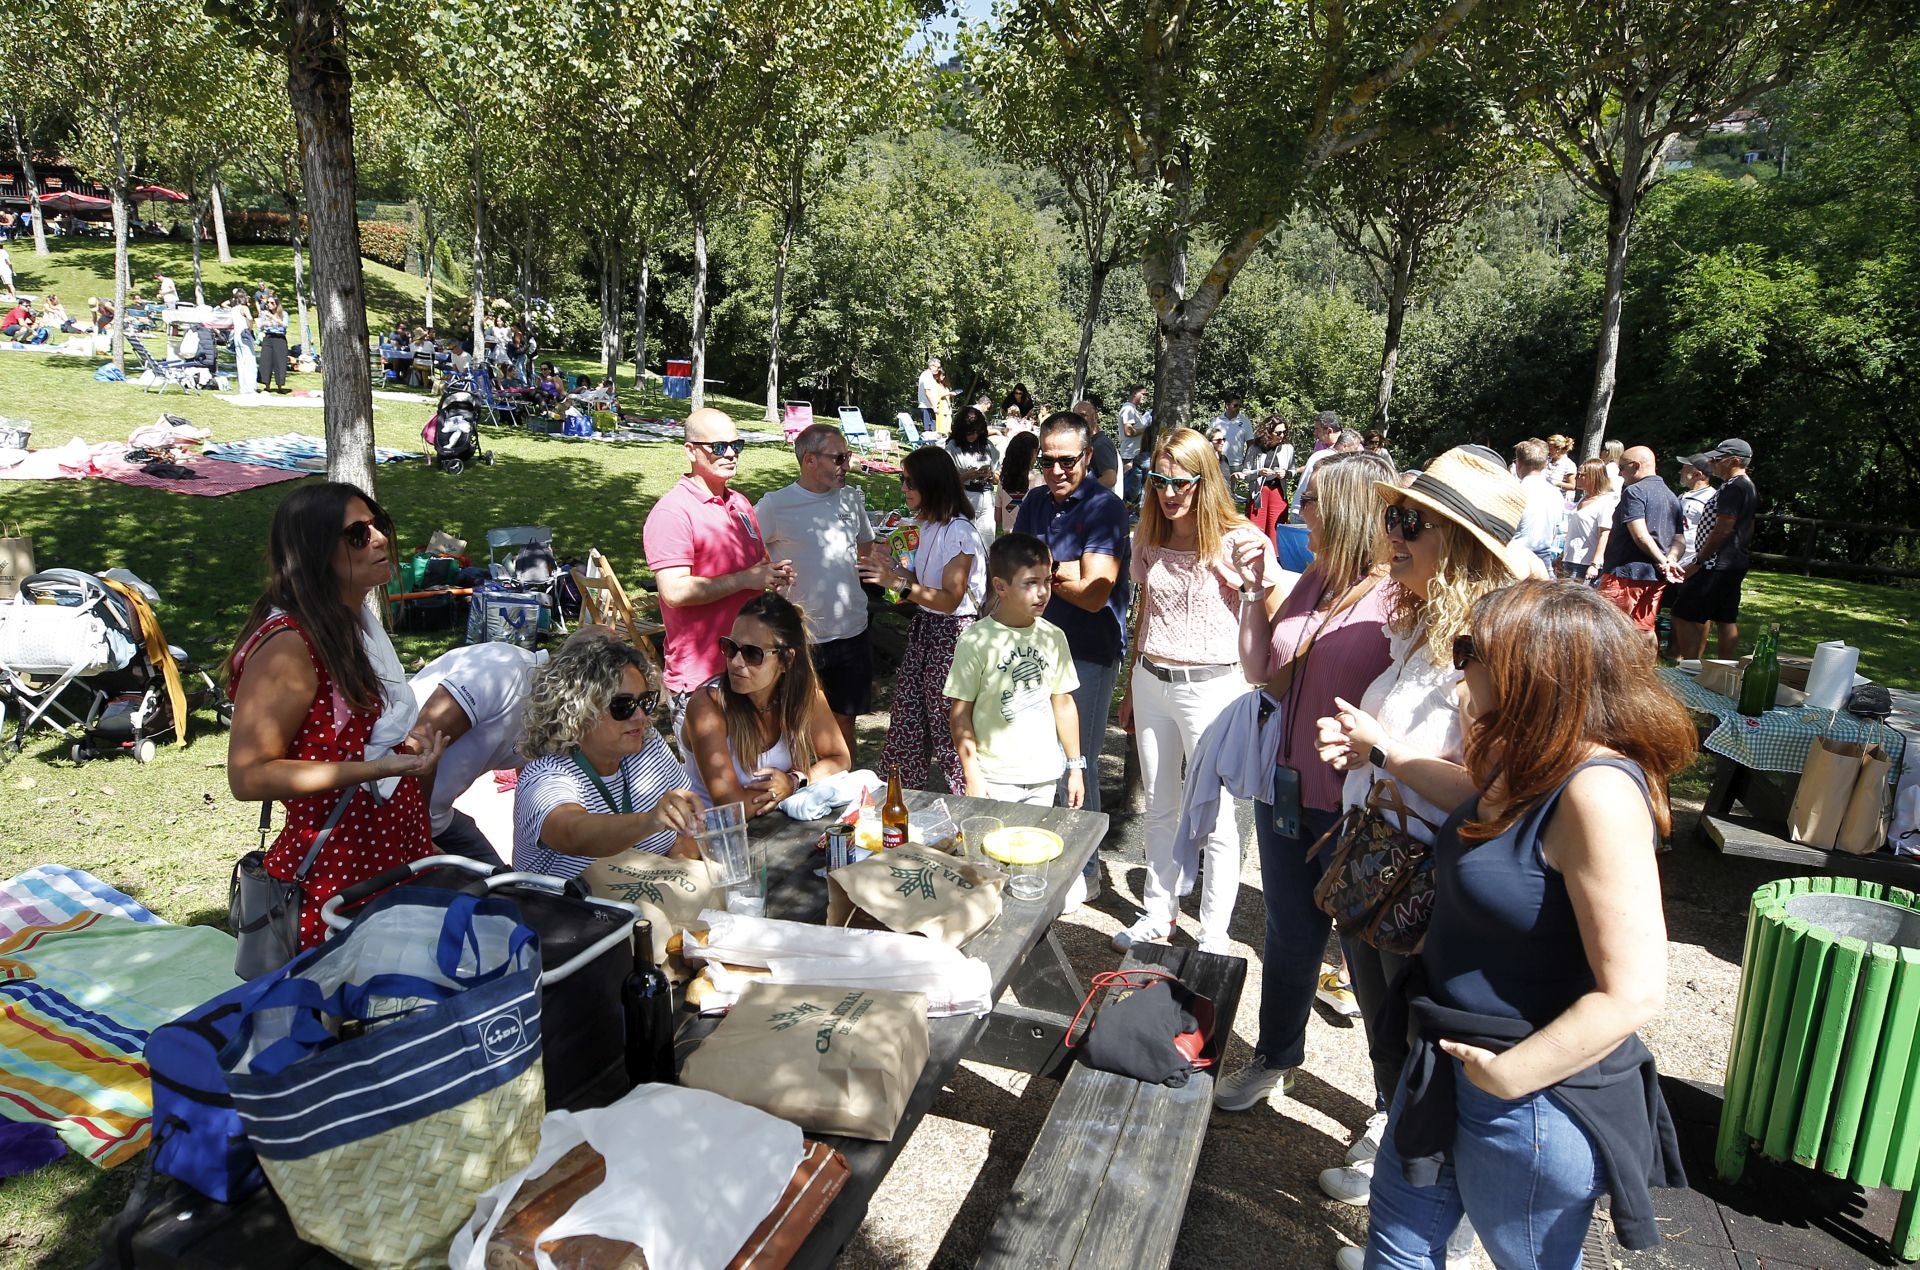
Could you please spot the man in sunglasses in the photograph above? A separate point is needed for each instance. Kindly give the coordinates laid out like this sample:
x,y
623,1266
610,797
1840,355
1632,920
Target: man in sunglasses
x,y
1084,524
820,523
706,551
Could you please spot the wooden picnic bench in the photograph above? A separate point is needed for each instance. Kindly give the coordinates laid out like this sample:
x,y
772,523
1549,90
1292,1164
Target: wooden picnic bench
x,y
1107,1180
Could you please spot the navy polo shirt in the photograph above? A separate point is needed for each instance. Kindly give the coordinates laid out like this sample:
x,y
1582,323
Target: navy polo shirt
x,y
1092,519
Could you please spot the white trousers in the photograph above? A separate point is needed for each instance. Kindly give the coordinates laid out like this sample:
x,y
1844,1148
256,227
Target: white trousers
x,y
1168,719
1040,795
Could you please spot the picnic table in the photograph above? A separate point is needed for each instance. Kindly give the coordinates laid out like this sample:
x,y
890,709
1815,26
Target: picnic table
x,y
186,1231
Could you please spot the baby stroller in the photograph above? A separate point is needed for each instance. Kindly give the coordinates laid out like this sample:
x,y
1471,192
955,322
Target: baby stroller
x,y
454,431
74,651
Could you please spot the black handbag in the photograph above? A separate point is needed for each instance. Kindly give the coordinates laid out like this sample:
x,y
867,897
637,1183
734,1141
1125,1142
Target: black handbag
x,y
1154,1028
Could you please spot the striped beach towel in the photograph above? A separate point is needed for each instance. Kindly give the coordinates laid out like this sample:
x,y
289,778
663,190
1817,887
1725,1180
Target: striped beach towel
x,y
51,893
292,451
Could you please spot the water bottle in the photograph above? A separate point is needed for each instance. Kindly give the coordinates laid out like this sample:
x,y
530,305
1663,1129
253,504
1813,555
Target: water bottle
x,y
646,1000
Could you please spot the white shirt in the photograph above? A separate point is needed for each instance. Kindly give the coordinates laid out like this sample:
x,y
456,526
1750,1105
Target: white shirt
x,y
1693,511
929,388
1239,430
1307,470
939,544
822,535
1134,418
1414,701
1540,524
490,683
1584,524
555,780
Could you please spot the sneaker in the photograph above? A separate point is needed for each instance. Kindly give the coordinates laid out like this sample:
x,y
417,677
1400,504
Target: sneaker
x,y
1077,896
1141,932
1218,947
1350,1183
1367,1145
1337,995
1251,1085
1350,1259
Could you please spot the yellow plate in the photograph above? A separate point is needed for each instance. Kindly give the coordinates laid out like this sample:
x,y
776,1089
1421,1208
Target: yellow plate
x,y
1023,844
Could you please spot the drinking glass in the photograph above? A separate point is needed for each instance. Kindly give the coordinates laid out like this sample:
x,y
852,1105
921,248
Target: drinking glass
x,y
973,836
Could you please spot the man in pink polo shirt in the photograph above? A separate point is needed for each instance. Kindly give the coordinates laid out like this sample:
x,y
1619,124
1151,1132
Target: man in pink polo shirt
x,y
705,549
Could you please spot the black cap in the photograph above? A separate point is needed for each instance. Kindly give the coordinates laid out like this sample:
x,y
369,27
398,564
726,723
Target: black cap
x,y
1701,463
1733,448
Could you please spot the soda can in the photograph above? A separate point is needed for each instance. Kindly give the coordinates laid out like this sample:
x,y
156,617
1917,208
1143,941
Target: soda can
x,y
839,846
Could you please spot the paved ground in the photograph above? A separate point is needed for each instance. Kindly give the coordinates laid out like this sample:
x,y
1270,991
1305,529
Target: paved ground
x,y
1255,1202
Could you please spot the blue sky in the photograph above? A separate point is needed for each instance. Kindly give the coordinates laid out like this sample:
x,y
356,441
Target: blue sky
x,y
941,30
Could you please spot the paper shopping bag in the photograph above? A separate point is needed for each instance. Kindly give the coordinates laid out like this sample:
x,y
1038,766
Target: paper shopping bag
x,y
831,1060
16,560
669,892
918,890
1826,787
1864,827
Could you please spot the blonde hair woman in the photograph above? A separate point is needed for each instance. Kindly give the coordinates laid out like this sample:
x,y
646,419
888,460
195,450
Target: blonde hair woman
x,y
1196,561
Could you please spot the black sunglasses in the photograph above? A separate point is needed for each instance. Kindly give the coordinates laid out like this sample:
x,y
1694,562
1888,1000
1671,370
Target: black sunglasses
x,y
906,482
1464,651
1407,520
721,449
359,534
624,704
1061,460
752,654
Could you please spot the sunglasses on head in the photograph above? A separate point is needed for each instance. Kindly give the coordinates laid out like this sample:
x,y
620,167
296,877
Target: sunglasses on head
x,y
721,449
1177,484
359,534
1464,651
1061,460
752,654
1407,520
624,704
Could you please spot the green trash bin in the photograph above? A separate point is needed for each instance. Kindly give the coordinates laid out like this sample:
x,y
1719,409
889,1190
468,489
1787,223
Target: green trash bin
x,y
1824,1069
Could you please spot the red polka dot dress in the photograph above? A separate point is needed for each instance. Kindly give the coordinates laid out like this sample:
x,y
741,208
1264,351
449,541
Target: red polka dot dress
x,y
372,836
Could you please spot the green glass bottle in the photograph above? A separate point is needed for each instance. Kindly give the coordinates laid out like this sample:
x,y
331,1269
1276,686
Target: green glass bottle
x,y
1761,680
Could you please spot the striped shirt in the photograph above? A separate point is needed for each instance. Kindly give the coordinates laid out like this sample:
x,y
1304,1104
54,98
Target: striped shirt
x,y
554,781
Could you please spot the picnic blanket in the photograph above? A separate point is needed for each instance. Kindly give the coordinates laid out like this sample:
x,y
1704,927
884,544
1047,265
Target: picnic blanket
x,y
76,460
79,996
293,452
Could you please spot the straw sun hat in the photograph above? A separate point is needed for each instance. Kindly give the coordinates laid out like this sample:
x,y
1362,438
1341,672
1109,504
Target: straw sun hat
x,y
1471,487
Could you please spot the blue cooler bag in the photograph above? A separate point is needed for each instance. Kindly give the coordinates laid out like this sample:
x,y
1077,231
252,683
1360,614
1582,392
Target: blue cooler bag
x,y
389,1077
197,1136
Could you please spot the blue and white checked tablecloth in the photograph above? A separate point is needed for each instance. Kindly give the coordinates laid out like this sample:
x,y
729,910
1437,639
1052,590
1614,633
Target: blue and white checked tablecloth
x,y
1778,740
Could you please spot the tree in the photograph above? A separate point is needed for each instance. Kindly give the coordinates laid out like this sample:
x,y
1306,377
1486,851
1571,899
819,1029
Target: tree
x,y
1644,73
1225,111
213,105
23,121
1027,110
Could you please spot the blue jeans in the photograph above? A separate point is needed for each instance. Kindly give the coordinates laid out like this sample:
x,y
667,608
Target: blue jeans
x,y
1525,1173
1296,933
1093,701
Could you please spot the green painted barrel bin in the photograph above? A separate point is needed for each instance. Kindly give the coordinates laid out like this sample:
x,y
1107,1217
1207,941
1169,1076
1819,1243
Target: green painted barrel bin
x,y
1825,1069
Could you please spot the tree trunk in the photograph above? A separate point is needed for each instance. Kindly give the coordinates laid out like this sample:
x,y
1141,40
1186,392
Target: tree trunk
x,y
1097,271
773,327
122,180
300,295
640,322
699,307
1175,371
612,284
478,279
526,266
1606,356
40,247
219,200
199,282
429,248
1397,295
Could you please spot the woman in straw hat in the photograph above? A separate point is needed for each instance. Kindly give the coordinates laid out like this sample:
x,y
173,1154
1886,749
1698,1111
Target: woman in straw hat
x,y
1450,539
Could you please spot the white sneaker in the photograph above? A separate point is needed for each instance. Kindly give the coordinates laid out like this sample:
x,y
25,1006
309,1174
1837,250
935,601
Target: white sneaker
x,y
1221,947
1141,932
1367,1145
1252,1085
1350,1183
1076,896
1350,1259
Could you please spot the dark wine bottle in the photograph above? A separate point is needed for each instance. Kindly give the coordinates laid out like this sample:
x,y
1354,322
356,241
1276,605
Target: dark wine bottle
x,y
646,999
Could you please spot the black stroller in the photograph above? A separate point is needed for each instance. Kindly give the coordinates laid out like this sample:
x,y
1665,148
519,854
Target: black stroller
x,y
66,635
454,431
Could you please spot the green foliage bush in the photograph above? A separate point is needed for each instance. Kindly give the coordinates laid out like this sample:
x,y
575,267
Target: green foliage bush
x,y
385,241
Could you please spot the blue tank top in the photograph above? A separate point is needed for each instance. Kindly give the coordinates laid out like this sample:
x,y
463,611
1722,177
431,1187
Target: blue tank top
x,y
1504,940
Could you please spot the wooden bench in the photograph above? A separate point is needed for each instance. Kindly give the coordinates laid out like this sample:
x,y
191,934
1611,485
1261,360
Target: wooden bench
x,y
1106,1181
1745,814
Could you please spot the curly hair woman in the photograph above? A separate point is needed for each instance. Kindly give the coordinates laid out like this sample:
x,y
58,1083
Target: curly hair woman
x,y
600,779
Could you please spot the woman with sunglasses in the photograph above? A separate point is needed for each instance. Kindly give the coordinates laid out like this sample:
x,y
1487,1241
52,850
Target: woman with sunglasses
x,y
322,711
600,779
946,585
1529,1092
1186,645
763,729
1450,539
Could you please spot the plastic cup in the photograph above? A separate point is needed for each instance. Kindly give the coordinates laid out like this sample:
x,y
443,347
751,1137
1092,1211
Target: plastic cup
x,y
1027,886
973,835
723,844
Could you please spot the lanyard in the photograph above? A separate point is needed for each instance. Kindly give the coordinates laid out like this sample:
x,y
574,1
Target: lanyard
x,y
1297,668
586,769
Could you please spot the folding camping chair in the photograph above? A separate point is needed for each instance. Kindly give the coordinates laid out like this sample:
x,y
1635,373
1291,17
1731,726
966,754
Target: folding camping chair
x,y
604,602
854,425
182,375
910,431
796,417
504,550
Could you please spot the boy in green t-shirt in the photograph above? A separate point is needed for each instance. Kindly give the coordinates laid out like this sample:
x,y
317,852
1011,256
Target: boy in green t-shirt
x,y
1012,685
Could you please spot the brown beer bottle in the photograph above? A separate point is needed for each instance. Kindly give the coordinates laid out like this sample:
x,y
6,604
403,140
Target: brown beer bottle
x,y
893,814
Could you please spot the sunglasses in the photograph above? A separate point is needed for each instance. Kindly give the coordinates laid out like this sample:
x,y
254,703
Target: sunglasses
x,y
752,654
1061,460
1464,651
721,449
359,534
837,460
624,704
1177,484
1407,520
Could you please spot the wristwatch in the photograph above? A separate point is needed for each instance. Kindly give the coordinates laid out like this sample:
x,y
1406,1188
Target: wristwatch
x,y
799,778
1077,764
1377,757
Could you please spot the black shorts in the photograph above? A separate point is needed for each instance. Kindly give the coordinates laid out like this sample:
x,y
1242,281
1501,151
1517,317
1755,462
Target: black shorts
x,y
845,670
1711,595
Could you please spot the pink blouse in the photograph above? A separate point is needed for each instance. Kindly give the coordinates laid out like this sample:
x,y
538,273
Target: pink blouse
x,y
1349,652
1193,606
